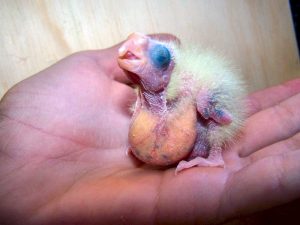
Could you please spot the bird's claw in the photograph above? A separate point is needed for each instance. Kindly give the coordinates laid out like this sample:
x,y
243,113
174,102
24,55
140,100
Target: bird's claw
x,y
201,162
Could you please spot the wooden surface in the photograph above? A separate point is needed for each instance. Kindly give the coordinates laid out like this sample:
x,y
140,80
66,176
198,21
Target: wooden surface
x,y
256,34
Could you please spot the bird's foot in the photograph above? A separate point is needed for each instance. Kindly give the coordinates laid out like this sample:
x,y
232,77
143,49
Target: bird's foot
x,y
213,160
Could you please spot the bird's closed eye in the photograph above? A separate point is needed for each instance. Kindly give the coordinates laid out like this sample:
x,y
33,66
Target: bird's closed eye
x,y
160,56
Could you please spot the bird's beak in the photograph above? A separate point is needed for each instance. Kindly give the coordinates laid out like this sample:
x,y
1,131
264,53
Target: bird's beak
x,y
132,55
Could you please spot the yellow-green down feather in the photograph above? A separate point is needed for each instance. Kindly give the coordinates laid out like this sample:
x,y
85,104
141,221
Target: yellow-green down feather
x,y
211,72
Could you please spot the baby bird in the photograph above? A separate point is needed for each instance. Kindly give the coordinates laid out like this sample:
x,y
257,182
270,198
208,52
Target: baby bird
x,y
189,105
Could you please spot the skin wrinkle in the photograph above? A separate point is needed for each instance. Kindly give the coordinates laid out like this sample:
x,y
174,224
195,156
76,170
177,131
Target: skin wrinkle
x,y
284,112
279,176
68,154
69,188
4,146
288,126
6,175
254,105
291,143
295,140
276,177
77,158
20,170
57,197
6,154
156,102
226,199
219,215
157,199
194,210
123,173
54,157
17,92
46,132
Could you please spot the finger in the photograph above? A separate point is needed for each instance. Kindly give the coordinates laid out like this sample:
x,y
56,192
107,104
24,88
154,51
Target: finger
x,y
270,126
282,147
107,58
264,184
261,100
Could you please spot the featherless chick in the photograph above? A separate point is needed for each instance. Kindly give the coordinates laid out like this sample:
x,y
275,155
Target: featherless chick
x,y
190,103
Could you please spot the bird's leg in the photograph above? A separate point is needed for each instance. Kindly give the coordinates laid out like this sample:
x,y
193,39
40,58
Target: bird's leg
x,y
203,154
207,106
201,146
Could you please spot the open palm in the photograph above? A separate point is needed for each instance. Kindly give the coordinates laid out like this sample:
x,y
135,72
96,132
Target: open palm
x,y
63,144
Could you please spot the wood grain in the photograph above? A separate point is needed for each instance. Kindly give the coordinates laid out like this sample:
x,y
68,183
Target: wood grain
x,y
257,35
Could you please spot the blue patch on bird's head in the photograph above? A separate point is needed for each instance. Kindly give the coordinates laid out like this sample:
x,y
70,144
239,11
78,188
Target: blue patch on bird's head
x,y
160,56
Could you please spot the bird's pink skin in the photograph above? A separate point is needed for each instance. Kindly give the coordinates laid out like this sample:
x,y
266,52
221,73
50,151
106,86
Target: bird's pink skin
x,y
134,59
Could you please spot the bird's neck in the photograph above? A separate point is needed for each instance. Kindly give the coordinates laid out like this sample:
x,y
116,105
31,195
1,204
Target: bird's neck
x,y
154,102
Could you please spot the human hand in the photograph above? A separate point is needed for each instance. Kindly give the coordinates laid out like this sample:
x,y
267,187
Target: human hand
x,y
63,142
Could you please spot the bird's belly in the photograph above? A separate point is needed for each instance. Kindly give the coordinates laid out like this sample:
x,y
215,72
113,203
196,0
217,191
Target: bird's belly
x,y
164,140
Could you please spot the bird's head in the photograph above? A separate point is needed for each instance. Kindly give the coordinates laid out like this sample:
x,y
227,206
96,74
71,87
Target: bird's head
x,y
148,61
